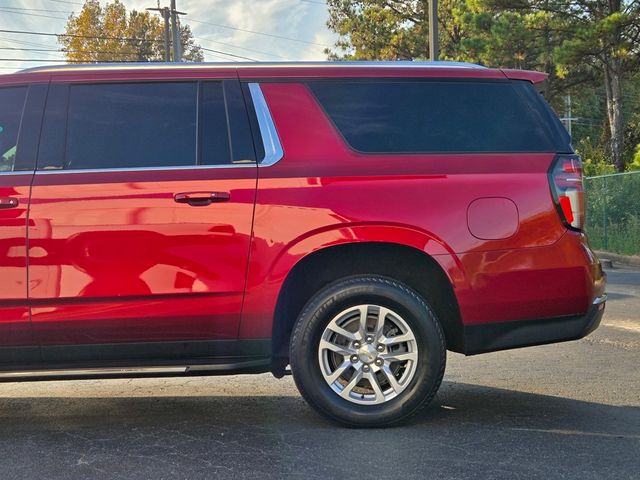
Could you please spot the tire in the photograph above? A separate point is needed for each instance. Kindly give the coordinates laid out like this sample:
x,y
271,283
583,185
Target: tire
x,y
361,331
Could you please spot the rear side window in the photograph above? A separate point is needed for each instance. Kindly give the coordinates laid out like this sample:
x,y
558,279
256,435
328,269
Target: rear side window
x,y
11,106
438,116
138,125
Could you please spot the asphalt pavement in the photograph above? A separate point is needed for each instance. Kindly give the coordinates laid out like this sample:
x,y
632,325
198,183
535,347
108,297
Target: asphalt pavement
x,y
569,410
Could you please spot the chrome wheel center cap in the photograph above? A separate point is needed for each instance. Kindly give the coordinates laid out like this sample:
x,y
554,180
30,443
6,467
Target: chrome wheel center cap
x,y
367,353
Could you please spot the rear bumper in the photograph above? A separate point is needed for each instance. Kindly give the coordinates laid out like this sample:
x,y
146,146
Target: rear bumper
x,y
490,337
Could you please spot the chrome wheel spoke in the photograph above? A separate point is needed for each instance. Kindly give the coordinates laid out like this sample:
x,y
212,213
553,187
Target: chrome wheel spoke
x,y
405,337
338,371
399,357
339,349
373,380
346,391
364,311
391,379
344,333
382,315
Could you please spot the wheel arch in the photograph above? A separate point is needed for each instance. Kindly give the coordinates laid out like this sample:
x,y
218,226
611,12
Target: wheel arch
x,y
433,276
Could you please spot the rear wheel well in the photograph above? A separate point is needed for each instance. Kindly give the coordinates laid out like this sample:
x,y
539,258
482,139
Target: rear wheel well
x,y
405,264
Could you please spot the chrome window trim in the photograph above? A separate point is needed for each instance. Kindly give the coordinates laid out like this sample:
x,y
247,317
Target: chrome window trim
x,y
241,163
145,169
273,152
17,172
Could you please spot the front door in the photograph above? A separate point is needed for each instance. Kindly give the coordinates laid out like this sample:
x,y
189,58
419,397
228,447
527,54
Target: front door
x,y
142,208
20,117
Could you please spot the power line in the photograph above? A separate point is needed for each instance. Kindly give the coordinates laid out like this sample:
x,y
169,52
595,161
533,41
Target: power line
x,y
260,33
239,48
47,34
99,52
116,38
22,11
222,58
22,48
36,60
35,9
66,1
68,51
229,54
59,60
31,14
23,42
31,49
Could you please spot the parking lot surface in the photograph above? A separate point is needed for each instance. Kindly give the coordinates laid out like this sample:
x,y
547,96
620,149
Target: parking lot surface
x,y
569,410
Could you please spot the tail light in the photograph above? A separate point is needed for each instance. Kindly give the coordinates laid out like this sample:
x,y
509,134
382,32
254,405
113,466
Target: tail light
x,y
565,178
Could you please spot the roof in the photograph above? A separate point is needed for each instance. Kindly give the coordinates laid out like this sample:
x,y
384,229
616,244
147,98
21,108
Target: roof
x,y
264,70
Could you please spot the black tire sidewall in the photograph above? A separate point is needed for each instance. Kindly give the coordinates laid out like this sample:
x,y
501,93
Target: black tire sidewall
x,y
375,291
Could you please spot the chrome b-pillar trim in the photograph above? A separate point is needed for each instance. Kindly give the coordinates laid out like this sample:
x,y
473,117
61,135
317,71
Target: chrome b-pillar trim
x,y
272,147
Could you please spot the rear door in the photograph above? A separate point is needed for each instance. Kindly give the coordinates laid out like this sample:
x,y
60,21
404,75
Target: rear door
x,y
142,207
20,117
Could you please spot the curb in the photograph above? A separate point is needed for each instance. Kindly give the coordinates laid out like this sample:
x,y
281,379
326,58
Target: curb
x,y
630,260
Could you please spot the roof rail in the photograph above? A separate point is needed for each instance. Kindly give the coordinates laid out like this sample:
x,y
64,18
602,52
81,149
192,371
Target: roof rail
x,y
199,65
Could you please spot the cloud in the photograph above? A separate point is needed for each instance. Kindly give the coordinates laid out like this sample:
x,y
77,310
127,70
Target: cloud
x,y
257,29
287,27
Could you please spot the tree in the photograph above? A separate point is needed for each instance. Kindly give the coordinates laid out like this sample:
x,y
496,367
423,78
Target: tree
x,y
601,38
109,33
574,41
470,30
388,29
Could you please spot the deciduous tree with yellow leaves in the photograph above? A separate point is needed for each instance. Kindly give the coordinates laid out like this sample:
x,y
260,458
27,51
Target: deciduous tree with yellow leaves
x,y
111,34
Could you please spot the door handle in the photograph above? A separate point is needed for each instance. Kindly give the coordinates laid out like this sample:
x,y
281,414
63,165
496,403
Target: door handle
x,y
202,199
8,202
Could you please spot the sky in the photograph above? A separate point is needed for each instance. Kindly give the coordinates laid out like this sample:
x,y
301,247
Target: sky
x,y
248,28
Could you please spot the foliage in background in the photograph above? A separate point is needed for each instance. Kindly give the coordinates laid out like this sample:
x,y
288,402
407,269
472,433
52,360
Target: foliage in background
x,y
635,162
613,212
110,33
594,158
589,48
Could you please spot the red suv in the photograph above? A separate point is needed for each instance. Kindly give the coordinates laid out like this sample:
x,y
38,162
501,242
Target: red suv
x,y
351,220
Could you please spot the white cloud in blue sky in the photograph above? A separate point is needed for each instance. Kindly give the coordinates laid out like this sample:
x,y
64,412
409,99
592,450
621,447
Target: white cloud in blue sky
x,y
303,20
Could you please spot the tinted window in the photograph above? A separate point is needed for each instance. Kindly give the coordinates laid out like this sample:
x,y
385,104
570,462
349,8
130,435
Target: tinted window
x,y
436,116
131,125
242,150
213,126
54,126
11,106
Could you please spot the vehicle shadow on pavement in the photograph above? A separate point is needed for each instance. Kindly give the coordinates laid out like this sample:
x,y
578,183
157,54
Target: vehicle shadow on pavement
x,y
467,427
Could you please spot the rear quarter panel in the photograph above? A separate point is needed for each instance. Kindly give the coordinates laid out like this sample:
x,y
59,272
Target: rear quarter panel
x,y
323,193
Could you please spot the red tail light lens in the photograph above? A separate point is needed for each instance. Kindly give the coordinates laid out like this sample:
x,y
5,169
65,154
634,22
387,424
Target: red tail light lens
x,y
565,178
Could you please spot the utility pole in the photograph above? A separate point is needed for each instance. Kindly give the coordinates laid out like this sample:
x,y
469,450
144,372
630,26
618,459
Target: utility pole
x,y
434,47
165,16
568,119
167,35
177,44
